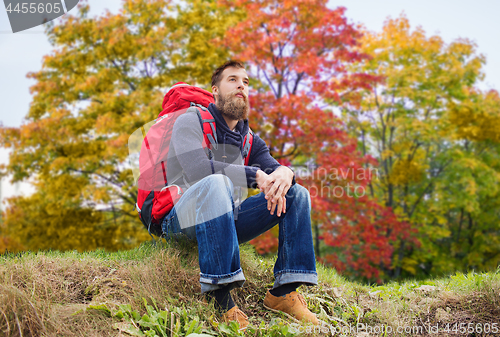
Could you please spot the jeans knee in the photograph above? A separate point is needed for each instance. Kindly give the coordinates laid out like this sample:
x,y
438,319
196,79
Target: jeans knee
x,y
219,181
218,187
300,194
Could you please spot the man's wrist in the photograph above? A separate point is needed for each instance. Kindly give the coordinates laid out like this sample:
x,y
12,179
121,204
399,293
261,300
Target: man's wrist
x,y
258,177
288,169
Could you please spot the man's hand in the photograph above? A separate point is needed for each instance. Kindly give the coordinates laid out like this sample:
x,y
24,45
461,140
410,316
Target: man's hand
x,y
261,179
275,186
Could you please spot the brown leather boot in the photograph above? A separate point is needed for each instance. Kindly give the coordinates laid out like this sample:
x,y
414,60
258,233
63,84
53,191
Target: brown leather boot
x,y
293,305
235,314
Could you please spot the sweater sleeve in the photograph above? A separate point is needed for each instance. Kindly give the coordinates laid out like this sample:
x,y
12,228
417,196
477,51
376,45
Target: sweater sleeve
x,y
261,158
187,140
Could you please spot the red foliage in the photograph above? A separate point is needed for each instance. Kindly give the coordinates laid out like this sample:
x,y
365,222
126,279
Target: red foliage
x,y
266,242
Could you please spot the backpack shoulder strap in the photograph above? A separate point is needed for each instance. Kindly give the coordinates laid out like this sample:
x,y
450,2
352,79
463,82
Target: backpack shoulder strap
x,y
248,146
207,123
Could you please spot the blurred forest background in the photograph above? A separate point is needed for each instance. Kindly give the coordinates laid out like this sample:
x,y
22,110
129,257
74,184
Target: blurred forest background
x,y
388,130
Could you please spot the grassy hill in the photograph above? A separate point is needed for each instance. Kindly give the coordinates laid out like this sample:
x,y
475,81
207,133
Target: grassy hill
x,y
154,291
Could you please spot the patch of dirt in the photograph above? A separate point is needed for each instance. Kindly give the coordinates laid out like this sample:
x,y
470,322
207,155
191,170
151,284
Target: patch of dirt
x,y
475,310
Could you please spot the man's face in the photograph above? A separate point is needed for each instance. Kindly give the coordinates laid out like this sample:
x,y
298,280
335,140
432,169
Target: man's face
x,y
231,96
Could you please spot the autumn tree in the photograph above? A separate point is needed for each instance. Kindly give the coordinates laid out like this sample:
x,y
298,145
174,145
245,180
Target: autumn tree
x,y
105,78
431,130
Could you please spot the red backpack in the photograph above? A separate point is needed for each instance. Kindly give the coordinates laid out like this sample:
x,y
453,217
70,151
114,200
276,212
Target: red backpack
x,y
156,197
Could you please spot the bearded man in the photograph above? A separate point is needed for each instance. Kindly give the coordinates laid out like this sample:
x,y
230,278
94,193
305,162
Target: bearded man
x,y
210,213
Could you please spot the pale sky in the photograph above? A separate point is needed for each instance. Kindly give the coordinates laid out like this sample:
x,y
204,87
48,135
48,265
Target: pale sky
x,y
22,52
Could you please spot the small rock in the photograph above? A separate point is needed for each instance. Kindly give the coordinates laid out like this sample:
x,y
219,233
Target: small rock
x,y
426,289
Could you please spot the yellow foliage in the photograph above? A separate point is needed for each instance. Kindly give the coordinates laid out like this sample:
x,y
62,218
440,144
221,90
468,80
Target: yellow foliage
x,y
405,172
410,265
53,218
478,118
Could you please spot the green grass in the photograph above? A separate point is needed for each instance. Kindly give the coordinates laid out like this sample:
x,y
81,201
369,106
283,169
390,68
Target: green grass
x,y
154,291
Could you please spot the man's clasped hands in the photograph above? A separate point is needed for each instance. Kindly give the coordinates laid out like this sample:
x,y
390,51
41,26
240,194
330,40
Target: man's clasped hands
x,y
275,186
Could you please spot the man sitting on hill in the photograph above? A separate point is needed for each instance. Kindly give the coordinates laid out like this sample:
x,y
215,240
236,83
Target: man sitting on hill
x,y
207,213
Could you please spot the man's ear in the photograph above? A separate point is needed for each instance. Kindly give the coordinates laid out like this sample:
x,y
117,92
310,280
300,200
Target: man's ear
x,y
215,92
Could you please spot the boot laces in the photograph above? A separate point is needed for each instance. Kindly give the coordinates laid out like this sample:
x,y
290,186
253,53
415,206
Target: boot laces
x,y
302,300
237,313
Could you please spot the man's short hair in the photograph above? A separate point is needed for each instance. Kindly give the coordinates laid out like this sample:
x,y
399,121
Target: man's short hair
x,y
217,75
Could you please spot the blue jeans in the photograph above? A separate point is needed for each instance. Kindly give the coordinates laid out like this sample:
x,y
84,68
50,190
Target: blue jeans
x,y
205,213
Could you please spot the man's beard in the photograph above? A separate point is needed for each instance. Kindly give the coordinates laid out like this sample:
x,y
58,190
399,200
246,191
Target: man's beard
x,y
235,108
